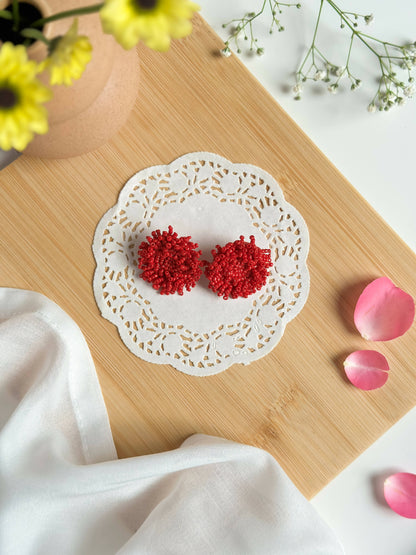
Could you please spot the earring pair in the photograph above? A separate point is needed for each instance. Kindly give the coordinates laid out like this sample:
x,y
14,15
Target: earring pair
x,y
172,264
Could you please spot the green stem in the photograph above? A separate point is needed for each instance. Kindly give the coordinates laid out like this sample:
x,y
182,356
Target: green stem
x,y
355,14
70,13
35,34
357,33
378,40
16,15
311,49
317,22
349,51
325,59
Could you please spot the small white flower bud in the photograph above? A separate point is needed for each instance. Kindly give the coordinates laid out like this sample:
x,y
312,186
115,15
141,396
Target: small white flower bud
x,y
297,88
369,18
333,89
371,108
226,52
319,75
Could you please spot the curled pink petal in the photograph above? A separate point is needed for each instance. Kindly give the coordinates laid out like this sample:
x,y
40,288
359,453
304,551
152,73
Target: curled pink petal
x,y
383,311
400,493
367,369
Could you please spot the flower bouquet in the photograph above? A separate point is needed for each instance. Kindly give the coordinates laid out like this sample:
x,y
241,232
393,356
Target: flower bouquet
x,y
27,84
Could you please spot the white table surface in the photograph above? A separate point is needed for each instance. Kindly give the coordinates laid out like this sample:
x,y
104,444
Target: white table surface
x,y
376,153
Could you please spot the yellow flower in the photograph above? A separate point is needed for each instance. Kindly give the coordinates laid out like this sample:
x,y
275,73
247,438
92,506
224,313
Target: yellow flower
x,y
68,58
154,22
21,98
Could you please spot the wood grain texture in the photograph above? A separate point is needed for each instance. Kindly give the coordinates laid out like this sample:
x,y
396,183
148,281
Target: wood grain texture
x,y
295,402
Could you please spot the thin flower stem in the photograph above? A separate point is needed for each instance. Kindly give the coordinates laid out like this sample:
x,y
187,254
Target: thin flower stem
x,y
312,47
395,62
304,60
325,59
243,27
355,14
349,50
317,22
70,13
16,15
357,33
378,40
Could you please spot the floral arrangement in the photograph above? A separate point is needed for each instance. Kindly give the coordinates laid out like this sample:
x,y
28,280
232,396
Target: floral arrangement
x,y
22,95
395,62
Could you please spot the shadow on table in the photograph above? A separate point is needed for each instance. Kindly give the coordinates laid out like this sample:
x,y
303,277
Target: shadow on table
x,y
7,157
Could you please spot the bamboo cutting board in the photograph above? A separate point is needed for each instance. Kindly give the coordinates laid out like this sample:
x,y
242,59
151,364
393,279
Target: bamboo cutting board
x,y
295,402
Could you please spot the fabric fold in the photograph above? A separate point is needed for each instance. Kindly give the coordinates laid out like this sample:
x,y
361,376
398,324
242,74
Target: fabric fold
x,y
64,491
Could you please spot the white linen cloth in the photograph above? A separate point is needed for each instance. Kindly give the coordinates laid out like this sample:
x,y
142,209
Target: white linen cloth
x,y
63,491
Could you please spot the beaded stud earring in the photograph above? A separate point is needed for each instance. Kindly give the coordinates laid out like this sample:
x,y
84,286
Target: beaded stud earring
x,y
170,263
238,269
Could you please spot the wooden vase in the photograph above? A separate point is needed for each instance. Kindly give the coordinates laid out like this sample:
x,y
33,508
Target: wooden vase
x,y
87,114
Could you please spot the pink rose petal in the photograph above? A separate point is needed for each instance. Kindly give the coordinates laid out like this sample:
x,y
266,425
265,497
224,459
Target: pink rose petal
x,y
400,493
383,311
367,369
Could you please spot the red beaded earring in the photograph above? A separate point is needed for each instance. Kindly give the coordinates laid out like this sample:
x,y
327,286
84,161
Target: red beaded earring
x,y
170,263
238,269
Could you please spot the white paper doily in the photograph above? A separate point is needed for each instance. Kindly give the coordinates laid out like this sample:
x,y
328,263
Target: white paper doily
x,y
214,201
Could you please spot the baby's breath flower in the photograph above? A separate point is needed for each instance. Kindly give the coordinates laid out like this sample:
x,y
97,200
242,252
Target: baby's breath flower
x,y
400,101
260,51
408,63
409,91
226,52
319,75
395,63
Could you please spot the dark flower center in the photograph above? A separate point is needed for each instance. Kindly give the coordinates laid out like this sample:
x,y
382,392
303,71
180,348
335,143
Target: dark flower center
x,y
146,4
8,98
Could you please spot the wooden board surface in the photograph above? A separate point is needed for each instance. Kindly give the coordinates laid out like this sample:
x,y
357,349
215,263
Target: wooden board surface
x,y
295,402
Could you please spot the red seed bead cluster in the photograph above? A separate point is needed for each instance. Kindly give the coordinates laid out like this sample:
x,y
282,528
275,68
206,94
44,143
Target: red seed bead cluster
x,y
239,269
170,263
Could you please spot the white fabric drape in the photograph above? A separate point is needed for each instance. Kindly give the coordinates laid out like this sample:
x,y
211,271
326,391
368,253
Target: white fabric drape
x,y
63,491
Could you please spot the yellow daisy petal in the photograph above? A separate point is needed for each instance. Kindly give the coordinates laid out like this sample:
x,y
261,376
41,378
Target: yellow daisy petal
x,y
69,57
154,22
21,98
